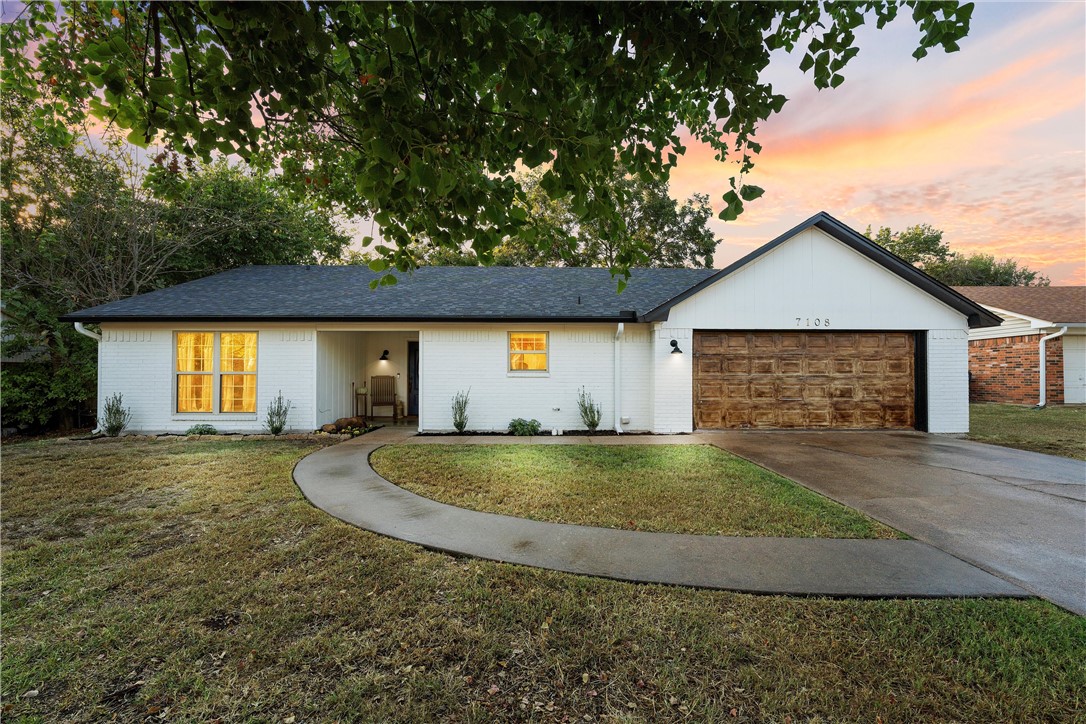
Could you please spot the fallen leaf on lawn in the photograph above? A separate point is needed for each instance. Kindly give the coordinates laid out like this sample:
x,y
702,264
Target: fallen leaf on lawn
x,y
584,678
30,694
493,689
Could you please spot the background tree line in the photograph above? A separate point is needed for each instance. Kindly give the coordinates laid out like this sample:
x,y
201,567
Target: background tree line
x,y
87,223
923,246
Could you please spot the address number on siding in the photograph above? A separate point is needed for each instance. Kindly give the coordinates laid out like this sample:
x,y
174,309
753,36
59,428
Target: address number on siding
x,y
812,321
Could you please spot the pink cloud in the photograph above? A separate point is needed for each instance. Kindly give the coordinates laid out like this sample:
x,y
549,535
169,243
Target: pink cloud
x,y
988,144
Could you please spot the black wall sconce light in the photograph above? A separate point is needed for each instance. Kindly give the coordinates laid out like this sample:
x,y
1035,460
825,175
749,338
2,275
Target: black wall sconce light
x,y
675,347
384,356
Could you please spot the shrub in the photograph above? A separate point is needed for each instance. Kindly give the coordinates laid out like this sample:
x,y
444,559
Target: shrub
x,y
278,409
523,427
590,411
115,416
460,410
202,429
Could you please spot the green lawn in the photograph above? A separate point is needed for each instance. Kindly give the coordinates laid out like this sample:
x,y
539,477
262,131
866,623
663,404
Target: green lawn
x,y
666,488
189,580
1054,430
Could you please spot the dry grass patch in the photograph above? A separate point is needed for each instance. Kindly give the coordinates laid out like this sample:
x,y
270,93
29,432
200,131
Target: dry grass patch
x,y
190,581
1054,430
664,488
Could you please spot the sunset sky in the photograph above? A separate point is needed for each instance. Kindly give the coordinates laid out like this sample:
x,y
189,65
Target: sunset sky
x,y
987,144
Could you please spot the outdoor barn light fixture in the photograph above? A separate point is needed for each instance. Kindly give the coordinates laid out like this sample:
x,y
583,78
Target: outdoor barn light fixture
x,y
384,356
675,347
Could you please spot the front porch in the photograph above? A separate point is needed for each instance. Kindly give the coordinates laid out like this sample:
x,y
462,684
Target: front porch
x,y
358,370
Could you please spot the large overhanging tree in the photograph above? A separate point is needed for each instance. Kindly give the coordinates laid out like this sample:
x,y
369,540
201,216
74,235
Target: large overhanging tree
x,y
420,114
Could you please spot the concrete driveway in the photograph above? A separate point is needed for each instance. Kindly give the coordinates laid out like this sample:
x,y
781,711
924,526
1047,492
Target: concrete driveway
x,y
1019,515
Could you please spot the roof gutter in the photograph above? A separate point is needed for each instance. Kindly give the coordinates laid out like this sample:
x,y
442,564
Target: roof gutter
x,y
1042,398
98,388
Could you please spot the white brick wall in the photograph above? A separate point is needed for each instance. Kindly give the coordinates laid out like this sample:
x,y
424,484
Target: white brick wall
x,y
138,363
475,357
673,381
948,380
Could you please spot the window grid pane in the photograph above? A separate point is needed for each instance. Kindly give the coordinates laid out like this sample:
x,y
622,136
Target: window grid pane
x,y
528,342
238,393
237,352
194,393
195,351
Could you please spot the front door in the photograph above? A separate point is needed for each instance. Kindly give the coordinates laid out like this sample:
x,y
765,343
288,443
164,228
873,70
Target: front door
x,y
412,378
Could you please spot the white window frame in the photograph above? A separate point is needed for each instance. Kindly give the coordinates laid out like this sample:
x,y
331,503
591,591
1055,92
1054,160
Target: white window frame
x,y
509,352
216,377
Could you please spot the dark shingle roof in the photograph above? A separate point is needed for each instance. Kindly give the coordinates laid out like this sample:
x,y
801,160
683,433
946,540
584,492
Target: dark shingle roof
x,y
296,293
1059,305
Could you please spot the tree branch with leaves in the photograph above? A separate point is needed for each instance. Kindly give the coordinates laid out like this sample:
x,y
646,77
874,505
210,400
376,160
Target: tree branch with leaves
x,y
421,113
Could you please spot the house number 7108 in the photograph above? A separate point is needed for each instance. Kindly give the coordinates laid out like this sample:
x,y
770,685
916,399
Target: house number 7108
x,y
812,321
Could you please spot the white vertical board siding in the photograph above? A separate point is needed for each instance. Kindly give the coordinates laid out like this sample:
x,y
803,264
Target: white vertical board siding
x,y
1074,367
673,381
948,380
340,361
813,277
476,357
138,363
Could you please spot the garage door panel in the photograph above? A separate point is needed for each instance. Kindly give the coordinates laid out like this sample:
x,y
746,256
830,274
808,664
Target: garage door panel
x,y
898,366
709,365
804,379
871,367
790,365
763,366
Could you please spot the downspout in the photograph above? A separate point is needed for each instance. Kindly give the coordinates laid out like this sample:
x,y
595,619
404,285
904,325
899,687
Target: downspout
x,y
618,377
98,394
1044,364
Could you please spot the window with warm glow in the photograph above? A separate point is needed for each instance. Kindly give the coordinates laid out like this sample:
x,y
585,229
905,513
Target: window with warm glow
x,y
204,356
527,351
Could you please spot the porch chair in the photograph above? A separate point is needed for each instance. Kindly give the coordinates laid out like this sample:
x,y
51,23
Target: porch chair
x,y
383,394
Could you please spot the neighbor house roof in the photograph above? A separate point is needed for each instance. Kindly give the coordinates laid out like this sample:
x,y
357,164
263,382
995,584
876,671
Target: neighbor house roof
x,y
342,293
977,315
1056,305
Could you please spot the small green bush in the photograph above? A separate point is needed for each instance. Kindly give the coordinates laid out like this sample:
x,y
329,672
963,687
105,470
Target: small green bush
x,y
202,429
460,410
523,427
278,409
115,416
590,411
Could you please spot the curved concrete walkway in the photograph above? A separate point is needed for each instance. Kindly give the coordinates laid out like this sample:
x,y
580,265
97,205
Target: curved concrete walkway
x,y
340,481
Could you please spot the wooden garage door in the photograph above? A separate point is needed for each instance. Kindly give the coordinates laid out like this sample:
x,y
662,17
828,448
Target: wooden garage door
x,y
804,380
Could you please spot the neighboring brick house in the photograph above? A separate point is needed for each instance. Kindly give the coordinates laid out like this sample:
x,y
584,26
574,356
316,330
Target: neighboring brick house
x,y
1005,361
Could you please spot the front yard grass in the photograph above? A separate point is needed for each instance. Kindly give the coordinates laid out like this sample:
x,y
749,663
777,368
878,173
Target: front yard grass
x,y
663,488
190,581
1054,430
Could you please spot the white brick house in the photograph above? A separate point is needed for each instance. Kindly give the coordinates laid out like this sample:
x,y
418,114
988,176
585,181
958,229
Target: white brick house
x,y
819,328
